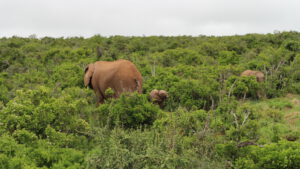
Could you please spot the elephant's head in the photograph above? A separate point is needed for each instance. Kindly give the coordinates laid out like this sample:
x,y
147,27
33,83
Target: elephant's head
x,y
89,71
158,96
260,77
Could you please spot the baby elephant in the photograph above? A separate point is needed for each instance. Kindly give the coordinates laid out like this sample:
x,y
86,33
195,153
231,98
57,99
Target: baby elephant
x,y
158,97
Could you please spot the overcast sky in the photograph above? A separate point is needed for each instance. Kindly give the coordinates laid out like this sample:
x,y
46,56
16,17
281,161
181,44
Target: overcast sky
x,y
86,18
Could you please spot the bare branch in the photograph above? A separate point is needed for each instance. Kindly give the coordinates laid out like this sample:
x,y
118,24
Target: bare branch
x,y
246,117
235,119
231,88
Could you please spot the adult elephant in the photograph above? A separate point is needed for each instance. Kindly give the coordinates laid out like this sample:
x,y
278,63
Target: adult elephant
x,y
260,77
121,76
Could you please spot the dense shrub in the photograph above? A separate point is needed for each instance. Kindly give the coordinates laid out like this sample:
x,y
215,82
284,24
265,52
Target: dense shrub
x,y
30,114
275,155
243,86
213,118
129,111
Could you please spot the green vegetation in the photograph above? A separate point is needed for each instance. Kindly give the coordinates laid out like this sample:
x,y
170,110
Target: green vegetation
x,y
213,118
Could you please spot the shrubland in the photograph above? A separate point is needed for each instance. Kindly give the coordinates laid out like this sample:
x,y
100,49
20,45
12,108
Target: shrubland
x,y
213,118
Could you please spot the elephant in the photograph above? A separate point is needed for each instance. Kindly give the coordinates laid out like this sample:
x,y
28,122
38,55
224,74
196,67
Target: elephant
x,y
260,77
120,75
158,97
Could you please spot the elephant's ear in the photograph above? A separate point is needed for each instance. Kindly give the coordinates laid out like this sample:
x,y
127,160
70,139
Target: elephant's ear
x,y
89,71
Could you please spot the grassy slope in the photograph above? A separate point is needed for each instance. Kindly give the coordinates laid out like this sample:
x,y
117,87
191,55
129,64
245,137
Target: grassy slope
x,y
283,112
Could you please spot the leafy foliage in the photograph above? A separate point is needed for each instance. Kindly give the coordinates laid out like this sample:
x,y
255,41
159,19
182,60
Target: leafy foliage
x,y
213,118
128,111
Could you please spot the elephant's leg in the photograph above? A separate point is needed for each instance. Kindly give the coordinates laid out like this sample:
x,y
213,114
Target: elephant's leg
x,y
99,97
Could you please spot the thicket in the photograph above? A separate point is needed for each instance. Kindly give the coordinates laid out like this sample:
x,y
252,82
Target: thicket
x,y
212,118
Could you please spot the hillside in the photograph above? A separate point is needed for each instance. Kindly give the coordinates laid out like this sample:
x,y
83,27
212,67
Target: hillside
x,y
213,117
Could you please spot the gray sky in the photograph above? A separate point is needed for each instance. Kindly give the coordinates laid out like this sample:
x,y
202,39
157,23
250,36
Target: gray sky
x,y
86,18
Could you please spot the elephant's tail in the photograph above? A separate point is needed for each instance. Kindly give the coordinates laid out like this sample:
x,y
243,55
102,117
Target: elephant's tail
x,y
138,86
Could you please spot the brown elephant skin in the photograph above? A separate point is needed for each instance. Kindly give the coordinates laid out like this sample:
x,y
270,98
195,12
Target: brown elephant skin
x,y
260,77
158,97
121,76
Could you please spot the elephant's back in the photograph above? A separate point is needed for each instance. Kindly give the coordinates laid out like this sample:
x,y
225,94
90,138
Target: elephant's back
x,y
119,74
121,64
128,67
130,75
128,70
247,73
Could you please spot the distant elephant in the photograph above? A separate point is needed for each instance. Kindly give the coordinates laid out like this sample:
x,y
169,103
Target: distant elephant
x,y
158,97
260,77
121,76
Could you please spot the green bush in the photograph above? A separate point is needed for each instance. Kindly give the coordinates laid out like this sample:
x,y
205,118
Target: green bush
x,y
175,56
3,92
243,86
119,148
29,115
228,57
48,119
129,111
24,137
187,122
275,155
4,161
73,73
